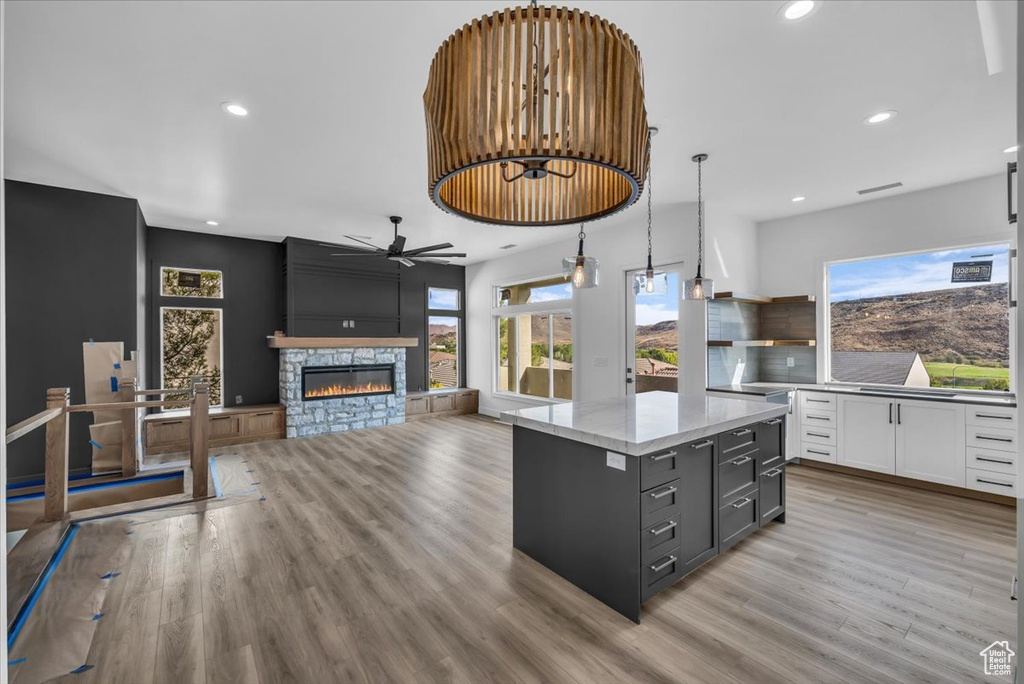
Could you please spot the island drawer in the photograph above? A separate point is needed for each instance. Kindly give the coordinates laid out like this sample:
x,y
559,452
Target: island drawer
x,y
660,573
738,518
659,504
772,494
738,439
771,438
660,538
737,474
663,466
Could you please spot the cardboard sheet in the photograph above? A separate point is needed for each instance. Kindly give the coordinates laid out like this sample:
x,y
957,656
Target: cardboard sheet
x,y
102,361
107,455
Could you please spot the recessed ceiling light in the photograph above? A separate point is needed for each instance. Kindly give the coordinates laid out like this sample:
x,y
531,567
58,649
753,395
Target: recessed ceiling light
x,y
798,198
1011,150
880,117
234,109
794,10
212,223
509,246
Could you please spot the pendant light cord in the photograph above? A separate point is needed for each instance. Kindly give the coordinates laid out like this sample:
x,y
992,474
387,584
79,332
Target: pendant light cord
x,y
650,191
582,236
700,218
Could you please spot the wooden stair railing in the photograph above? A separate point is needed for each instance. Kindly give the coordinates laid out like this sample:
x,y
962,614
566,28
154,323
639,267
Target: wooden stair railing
x,y
55,418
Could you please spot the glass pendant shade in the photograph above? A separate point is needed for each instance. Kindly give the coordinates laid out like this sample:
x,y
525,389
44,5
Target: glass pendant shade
x,y
699,288
582,270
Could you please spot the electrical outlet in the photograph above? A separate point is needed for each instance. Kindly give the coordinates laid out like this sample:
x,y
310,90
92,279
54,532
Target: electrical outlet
x,y
238,398
790,362
615,460
351,324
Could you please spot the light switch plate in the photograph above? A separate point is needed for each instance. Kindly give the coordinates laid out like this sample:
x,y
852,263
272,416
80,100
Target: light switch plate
x,y
790,362
616,460
238,398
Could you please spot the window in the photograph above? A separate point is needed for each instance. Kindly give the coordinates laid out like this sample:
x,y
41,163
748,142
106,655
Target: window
x,y
938,319
191,344
191,282
444,319
533,330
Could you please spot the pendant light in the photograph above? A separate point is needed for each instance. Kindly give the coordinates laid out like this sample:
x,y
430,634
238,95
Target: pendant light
x,y
582,269
649,275
535,116
699,287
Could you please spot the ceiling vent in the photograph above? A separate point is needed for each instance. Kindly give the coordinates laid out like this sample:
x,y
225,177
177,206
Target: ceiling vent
x,y
880,188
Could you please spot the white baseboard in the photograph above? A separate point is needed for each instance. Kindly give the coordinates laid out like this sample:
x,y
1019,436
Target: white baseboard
x,y
489,412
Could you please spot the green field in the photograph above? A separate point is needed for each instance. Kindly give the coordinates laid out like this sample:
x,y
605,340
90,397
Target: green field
x,y
977,377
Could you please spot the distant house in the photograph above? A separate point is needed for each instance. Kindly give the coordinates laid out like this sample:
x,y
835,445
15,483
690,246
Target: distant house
x,y
444,369
656,367
880,368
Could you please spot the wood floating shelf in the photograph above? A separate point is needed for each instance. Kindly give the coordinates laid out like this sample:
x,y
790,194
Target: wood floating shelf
x,y
761,343
284,342
747,298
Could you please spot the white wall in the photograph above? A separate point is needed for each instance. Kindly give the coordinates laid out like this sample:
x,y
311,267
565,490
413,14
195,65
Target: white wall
x,y
793,251
599,328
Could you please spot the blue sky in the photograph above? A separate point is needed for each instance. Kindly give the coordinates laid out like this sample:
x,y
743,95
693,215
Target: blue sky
x,y
896,275
659,306
447,300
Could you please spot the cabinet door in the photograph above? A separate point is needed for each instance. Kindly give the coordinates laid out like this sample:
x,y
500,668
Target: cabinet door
x,y
867,436
698,534
931,442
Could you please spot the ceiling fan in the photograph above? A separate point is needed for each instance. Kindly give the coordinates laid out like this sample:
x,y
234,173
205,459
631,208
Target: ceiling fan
x,y
396,250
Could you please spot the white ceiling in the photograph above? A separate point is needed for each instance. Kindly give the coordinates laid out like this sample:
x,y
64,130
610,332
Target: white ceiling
x,y
124,98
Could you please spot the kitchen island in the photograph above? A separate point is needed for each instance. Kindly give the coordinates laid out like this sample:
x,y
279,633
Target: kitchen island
x,y
624,496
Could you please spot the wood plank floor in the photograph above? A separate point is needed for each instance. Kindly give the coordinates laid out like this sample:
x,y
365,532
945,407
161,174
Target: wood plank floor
x,y
385,556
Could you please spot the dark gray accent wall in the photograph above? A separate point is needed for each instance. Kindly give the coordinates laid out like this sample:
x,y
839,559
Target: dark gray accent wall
x,y
380,296
253,305
71,277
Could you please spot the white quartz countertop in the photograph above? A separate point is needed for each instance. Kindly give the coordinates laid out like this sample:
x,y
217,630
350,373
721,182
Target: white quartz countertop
x,y
645,422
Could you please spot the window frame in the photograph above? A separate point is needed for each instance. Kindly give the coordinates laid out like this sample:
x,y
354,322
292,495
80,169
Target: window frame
x,y
160,283
513,311
460,340
160,346
825,331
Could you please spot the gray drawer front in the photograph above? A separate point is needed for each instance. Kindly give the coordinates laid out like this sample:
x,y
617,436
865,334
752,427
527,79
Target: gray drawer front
x,y
772,494
664,466
770,438
734,441
738,518
660,538
660,503
737,474
659,573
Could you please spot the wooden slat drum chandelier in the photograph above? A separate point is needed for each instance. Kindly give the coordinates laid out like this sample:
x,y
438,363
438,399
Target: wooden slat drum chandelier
x,y
536,117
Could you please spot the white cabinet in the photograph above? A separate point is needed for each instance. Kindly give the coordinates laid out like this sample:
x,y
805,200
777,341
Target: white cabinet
x,y
867,434
930,441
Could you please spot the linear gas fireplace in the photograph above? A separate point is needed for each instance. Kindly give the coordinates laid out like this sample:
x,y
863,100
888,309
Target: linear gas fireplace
x,y
332,382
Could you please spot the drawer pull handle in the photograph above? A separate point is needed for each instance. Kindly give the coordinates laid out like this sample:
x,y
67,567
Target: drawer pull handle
x,y
774,421
663,529
820,453
1008,440
774,473
268,413
664,492
702,445
662,457
993,417
742,460
817,434
171,422
819,418
658,568
993,460
993,482
740,433
741,504
221,418
819,401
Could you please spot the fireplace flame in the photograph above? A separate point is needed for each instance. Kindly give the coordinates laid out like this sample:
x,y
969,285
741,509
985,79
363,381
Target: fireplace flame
x,y
345,390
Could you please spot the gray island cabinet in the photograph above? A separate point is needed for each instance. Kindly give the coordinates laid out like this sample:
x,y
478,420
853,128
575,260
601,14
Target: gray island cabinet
x,y
624,496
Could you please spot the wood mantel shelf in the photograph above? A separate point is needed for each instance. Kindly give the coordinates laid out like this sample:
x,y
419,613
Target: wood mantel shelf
x,y
285,342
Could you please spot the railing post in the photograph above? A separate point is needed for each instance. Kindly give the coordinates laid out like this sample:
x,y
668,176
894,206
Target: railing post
x,y
199,425
55,505
129,426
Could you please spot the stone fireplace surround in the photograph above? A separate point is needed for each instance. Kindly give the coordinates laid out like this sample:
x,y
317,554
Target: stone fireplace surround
x,y
329,416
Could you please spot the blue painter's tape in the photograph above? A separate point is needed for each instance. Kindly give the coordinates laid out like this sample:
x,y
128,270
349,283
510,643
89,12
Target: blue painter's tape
x,y
217,489
113,384
110,575
82,668
117,366
96,444
19,661
51,568
97,616
79,476
91,343
177,475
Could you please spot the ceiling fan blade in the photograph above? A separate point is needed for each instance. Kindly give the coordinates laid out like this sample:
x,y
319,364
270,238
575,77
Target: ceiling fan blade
x,y
360,254
439,254
420,250
402,260
432,261
368,244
